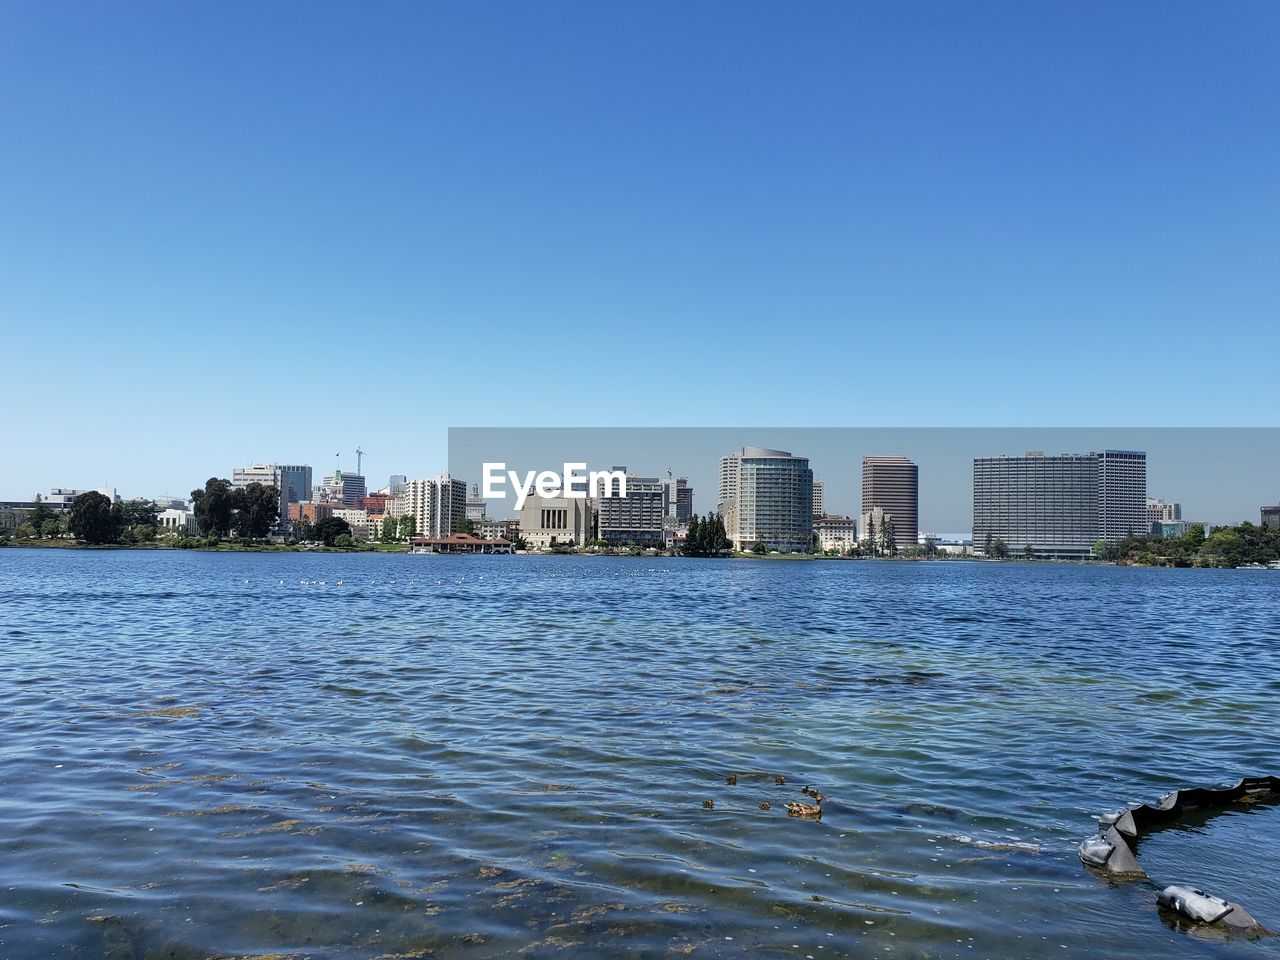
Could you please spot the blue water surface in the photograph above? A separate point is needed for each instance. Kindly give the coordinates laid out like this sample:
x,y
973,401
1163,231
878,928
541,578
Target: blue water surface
x,y
359,755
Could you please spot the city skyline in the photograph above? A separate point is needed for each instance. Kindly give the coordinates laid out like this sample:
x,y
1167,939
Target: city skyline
x,y
1219,476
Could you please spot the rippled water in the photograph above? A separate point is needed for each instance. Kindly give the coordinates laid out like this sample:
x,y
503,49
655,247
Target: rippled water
x,y
359,755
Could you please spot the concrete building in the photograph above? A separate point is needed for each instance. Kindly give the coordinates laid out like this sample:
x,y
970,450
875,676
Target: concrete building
x,y
475,507
835,534
487,528
435,503
1271,517
678,499
766,497
178,522
1059,505
363,527
545,521
819,510
637,518
1122,494
64,496
892,483
1162,511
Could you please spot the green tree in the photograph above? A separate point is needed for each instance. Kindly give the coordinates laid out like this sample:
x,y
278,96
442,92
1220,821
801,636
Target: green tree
x,y
872,540
390,529
758,547
1000,549
989,546
692,537
93,520
343,540
40,516
1101,549
888,537
328,530
257,510
1029,552
464,525
408,527
213,507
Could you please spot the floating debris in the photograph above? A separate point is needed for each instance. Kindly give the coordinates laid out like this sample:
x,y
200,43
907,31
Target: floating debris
x,y
708,804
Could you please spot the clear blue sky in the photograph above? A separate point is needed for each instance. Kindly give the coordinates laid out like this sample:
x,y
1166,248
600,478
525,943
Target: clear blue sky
x,y
239,232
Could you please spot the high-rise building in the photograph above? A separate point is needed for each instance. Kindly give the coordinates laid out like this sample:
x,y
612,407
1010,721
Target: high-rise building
x,y
435,503
677,498
1059,506
1271,517
636,518
293,481
396,483
819,509
766,497
1122,495
892,483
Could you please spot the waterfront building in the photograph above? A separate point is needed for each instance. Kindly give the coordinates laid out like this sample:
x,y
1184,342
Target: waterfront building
x,y
1271,517
766,497
460,543
177,521
636,518
363,527
1173,528
818,509
487,528
835,533
510,529
892,483
437,504
1060,505
546,521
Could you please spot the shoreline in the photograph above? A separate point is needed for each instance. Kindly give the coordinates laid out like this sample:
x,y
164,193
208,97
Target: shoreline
x,y
403,548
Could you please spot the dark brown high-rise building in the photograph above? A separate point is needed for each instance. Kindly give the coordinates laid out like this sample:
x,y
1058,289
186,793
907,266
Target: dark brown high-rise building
x,y
893,485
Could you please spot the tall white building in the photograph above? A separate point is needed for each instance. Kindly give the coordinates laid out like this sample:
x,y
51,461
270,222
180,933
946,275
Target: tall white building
x,y
1059,506
435,503
766,497
819,508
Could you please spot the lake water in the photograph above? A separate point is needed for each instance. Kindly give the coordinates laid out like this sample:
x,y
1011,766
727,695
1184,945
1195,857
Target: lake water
x,y
355,756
